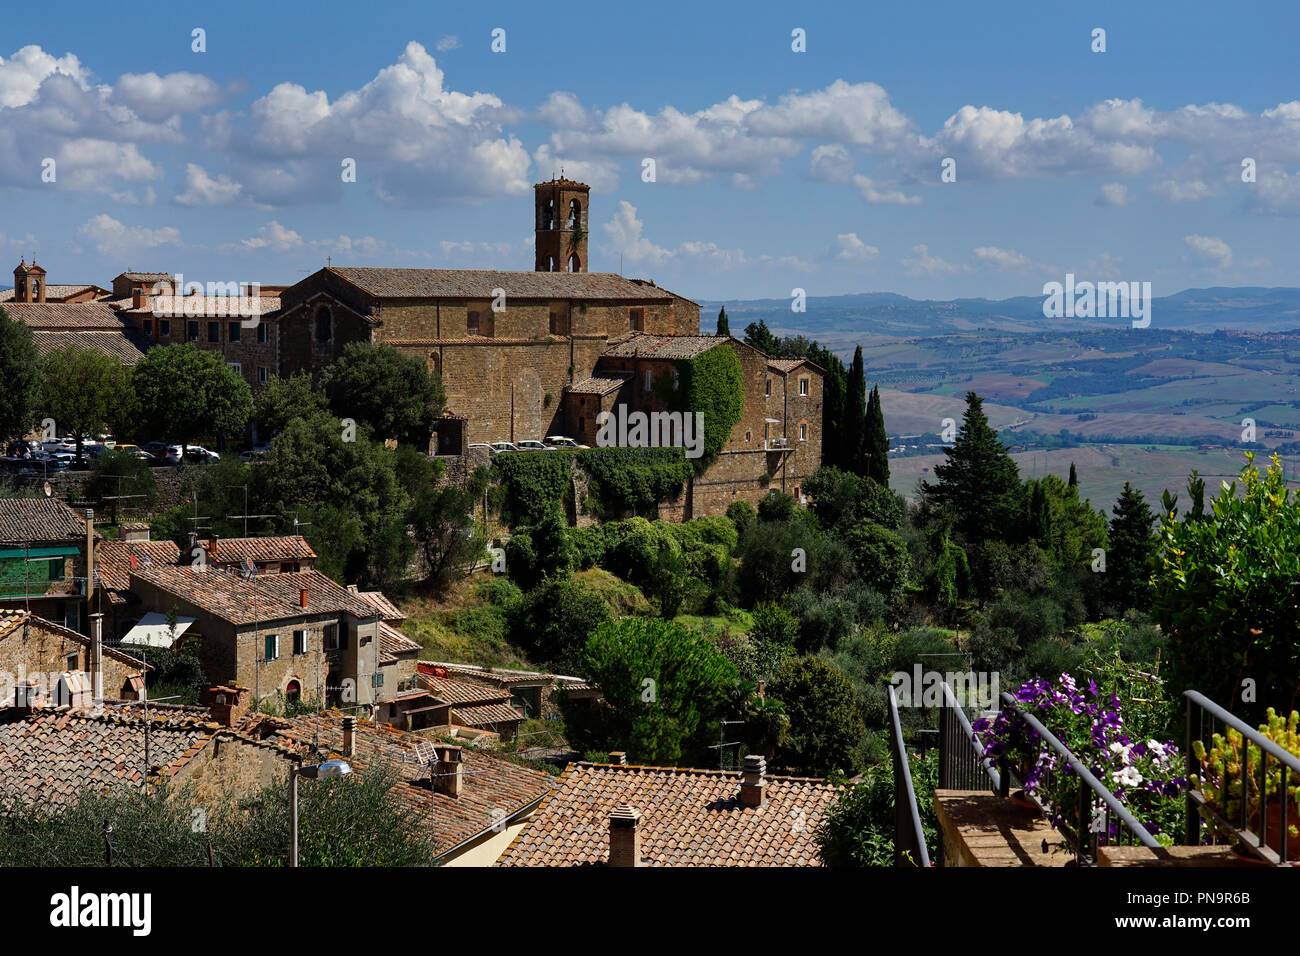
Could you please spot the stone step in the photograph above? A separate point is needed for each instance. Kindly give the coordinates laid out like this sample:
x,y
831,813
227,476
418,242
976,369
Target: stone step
x,y
981,829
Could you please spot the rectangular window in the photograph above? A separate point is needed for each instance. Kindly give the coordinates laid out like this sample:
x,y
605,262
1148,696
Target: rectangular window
x,y
768,387
803,432
263,335
803,386
331,635
239,369
636,319
649,383
271,648
555,324
148,327
234,331
71,661
471,323
214,331
263,373
193,330
300,642
165,328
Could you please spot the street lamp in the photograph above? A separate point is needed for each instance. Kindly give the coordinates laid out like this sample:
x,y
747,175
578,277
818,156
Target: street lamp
x,y
330,768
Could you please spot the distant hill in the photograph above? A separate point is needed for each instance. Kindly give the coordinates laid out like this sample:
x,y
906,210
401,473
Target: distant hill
x,y
843,319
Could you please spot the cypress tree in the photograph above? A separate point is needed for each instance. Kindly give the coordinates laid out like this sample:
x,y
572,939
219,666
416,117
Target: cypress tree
x,y
760,337
1074,476
834,384
1132,551
855,419
877,441
724,328
978,480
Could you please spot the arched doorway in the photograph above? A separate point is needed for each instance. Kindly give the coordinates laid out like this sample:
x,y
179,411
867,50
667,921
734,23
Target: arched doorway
x,y
293,691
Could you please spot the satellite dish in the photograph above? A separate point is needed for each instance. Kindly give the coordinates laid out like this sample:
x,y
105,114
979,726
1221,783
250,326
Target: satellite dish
x,y
49,490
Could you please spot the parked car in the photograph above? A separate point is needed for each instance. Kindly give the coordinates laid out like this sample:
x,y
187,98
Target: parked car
x,y
529,444
561,441
191,453
482,446
262,446
254,454
134,450
156,448
501,447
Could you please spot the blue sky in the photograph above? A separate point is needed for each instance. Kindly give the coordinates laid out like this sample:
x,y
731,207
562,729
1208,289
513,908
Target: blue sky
x,y
775,169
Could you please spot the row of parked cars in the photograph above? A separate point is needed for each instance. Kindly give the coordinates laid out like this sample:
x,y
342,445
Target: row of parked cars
x,y
549,443
31,458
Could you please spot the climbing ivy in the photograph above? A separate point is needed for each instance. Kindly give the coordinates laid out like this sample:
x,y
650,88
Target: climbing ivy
x,y
535,485
712,383
633,479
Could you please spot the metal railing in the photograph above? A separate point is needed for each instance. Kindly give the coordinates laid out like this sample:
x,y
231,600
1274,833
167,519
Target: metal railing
x,y
1198,708
1086,834
962,764
909,834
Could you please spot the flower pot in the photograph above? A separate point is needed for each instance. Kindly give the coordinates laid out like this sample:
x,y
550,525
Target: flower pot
x,y
1273,834
1021,798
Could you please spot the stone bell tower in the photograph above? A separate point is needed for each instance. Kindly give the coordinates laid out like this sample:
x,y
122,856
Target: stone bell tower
x,y
561,243
29,282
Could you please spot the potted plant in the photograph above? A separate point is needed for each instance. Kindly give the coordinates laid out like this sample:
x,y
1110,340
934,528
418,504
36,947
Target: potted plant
x,y
1141,773
1221,778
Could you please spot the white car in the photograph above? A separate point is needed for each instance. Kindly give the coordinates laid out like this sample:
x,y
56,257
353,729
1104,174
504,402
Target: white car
x,y
529,444
501,447
191,453
557,442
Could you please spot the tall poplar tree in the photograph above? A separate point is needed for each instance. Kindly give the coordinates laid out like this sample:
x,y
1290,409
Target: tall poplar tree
x,y
877,441
855,420
724,327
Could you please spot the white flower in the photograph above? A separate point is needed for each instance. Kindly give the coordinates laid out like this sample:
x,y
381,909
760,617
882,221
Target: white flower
x,y
1128,777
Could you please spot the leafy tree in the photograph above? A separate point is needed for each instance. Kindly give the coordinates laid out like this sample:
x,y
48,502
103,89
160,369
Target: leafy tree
x,y
760,337
840,499
776,506
858,831
825,725
665,688
876,440
443,523
1133,547
283,399
185,392
775,630
394,393
854,435
881,556
554,620
741,513
350,492
85,391
724,327
1225,591
19,371
978,480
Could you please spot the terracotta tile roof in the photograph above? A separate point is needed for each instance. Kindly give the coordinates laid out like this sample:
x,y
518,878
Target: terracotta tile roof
x,y
59,316
270,597
392,641
11,619
38,520
642,345
597,385
784,365
689,818
479,283
53,293
146,276
113,560
127,347
204,306
485,715
380,602
463,692
283,548
53,755
491,786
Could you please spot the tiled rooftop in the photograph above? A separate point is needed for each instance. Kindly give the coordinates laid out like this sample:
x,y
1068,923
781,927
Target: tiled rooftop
x,y
266,598
643,345
282,548
689,818
52,755
113,561
38,520
204,306
59,316
491,786
597,385
479,283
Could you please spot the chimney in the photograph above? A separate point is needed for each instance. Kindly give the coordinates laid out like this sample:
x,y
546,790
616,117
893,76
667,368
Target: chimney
x,y
96,658
619,757
28,697
132,531
448,771
226,703
349,736
302,597
624,836
90,558
751,780
139,298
